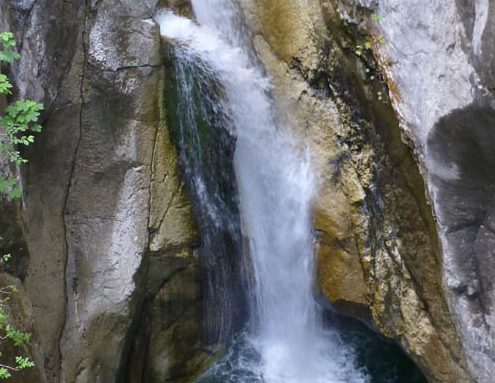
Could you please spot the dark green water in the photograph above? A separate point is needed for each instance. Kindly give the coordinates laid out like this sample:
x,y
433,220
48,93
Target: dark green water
x,y
381,360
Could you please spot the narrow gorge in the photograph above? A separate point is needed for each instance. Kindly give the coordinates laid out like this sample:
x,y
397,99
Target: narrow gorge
x,y
237,191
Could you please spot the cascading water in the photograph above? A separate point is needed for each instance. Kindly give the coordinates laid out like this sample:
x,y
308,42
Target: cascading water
x,y
206,151
286,342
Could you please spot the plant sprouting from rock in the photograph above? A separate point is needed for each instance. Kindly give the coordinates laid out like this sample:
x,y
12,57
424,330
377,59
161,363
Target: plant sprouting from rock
x,y
370,44
376,17
18,123
9,333
7,52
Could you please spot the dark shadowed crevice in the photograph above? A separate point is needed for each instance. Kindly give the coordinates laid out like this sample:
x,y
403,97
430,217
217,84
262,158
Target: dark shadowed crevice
x,y
467,11
461,153
71,175
200,130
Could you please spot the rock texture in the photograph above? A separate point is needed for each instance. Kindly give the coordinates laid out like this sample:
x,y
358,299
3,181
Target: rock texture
x,y
108,228
389,96
379,257
438,59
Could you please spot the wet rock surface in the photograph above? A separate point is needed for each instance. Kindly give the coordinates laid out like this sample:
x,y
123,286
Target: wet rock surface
x,y
106,233
438,61
366,114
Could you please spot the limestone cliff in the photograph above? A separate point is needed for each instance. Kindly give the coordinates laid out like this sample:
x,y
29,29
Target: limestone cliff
x,y
395,101
365,85
107,236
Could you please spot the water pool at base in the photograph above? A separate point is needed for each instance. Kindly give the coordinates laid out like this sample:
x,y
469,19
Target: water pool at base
x,y
380,360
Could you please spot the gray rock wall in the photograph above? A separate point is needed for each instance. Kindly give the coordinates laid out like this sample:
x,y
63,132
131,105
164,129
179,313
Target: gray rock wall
x,y
337,67
108,228
105,234
439,60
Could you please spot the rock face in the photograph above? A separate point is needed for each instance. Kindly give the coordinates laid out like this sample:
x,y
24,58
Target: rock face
x,y
439,58
108,228
391,97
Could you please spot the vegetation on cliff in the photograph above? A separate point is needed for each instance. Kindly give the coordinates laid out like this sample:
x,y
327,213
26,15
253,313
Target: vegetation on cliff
x,y
17,124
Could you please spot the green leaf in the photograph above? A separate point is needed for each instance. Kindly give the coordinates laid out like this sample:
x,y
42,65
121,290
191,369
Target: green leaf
x,y
36,128
376,17
4,373
19,118
23,362
18,337
9,56
6,183
15,193
7,39
7,53
5,85
23,112
5,258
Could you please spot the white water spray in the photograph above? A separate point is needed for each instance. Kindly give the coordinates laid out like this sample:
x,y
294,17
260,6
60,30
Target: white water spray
x,y
276,188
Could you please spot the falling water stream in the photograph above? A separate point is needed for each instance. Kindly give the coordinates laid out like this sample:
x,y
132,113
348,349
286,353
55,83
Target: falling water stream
x,y
286,341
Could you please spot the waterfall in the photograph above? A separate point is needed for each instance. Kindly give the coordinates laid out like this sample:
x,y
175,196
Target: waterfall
x,y
285,341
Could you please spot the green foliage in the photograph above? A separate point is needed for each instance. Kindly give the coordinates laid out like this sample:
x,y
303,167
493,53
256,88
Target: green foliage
x,y
8,186
4,373
8,333
17,337
19,121
7,52
23,363
361,49
5,258
17,126
5,85
367,46
376,17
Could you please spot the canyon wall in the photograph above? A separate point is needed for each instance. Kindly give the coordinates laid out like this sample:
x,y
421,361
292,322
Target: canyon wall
x,y
395,102
392,96
104,234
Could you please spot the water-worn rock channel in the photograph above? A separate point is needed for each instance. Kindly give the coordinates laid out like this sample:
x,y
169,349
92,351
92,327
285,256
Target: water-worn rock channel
x,y
254,190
